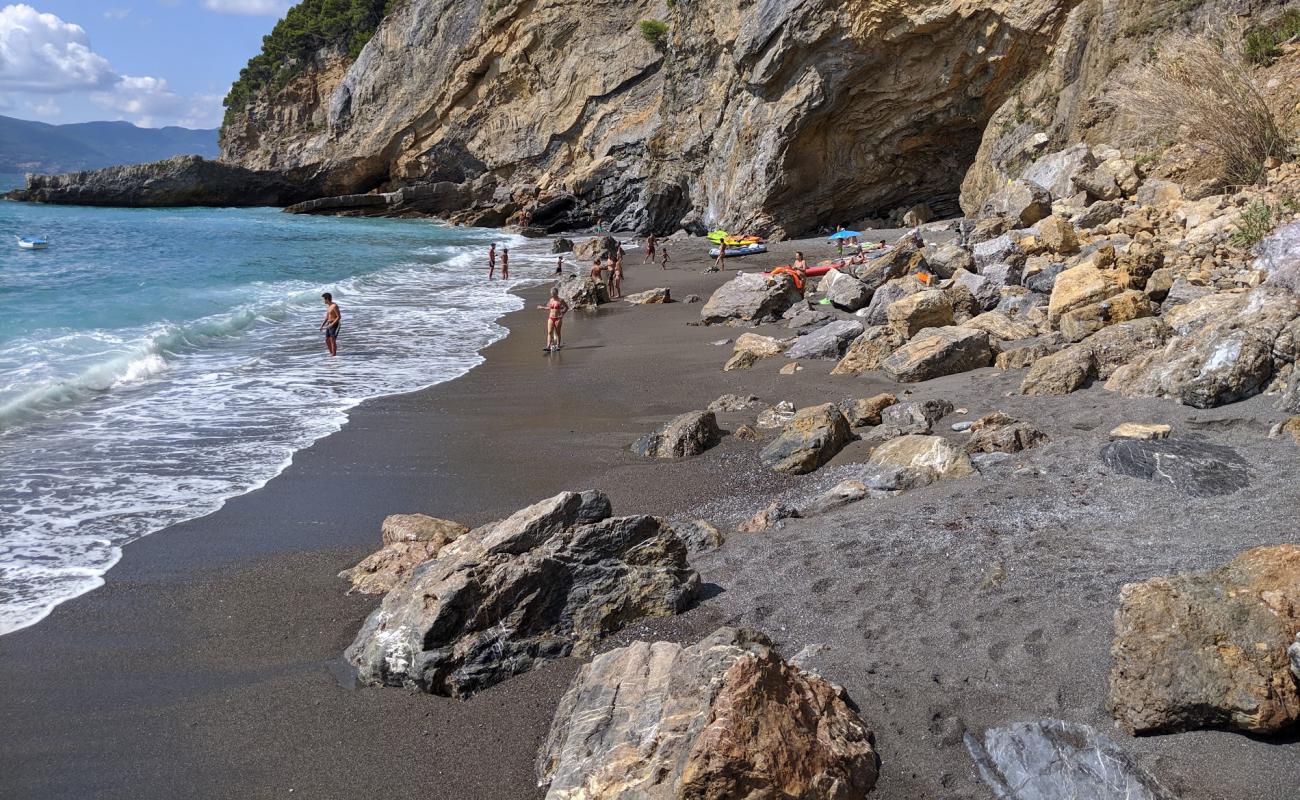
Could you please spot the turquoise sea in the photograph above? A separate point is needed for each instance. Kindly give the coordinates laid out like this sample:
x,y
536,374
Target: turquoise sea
x,y
154,363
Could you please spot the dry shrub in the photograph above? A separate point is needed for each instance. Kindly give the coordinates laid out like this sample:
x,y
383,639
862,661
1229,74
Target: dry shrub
x,y
1200,92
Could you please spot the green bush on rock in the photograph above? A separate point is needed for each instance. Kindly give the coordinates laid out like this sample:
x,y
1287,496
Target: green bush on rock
x,y
653,30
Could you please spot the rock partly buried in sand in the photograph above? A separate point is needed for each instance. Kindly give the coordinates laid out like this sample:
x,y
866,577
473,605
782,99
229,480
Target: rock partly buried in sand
x,y
688,434
749,348
1141,430
1028,353
841,494
936,352
861,412
582,292
768,517
747,434
998,433
1222,350
698,535
650,297
724,719
1210,650
869,351
810,439
1191,466
547,582
776,415
1055,760
733,402
826,342
917,416
409,540
750,297
927,458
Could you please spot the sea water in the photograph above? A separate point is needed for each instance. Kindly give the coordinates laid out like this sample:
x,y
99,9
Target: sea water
x,y
154,363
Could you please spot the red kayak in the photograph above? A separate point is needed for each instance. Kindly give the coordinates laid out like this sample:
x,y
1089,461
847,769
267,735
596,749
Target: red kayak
x,y
811,272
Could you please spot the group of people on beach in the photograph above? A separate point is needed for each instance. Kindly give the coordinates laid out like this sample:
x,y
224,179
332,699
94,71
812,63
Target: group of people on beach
x,y
492,262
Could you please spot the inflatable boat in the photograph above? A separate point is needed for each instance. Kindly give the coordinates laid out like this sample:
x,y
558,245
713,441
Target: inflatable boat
x,y
740,250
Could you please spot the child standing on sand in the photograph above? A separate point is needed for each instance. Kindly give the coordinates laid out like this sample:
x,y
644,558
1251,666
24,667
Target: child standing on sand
x,y
663,256
556,308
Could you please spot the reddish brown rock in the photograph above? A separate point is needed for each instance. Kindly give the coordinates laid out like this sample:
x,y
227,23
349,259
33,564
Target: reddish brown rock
x,y
409,539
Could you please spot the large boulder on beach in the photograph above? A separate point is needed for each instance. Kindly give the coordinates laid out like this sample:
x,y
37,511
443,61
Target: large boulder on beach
x,y
844,291
750,297
863,411
650,297
601,247
724,719
828,341
996,432
1192,466
1080,286
409,540
1210,649
931,308
808,441
749,348
939,351
580,291
877,311
687,435
547,582
1221,351
1100,357
869,350
925,458
1025,202
906,256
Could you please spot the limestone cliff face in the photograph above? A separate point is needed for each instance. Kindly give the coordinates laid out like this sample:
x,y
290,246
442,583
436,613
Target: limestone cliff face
x,y
778,114
1064,101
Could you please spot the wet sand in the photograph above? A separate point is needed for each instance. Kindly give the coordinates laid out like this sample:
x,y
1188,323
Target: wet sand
x,y
208,664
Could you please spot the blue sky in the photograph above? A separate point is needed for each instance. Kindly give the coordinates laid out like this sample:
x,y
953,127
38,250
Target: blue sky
x,y
151,62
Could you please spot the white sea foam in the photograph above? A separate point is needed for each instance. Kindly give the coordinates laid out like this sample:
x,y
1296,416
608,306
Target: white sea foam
x,y
109,435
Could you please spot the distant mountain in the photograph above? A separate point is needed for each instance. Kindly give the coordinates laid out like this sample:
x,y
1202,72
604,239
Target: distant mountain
x,y
27,146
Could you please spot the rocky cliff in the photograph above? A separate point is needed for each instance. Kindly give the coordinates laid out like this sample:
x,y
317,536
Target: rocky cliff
x,y
782,115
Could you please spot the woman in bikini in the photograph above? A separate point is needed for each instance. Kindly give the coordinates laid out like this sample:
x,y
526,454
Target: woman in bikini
x,y
616,279
555,309
505,263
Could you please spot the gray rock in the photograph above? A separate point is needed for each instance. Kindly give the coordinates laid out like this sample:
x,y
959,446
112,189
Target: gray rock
x,y
877,311
1099,213
693,298
845,291
1279,256
547,582
733,402
1055,171
776,415
562,245
750,297
828,341
1018,304
841,494
917,416
807,441
1055,760
655,296
985,291
580,291
699,536
1024,201
803,316
1001,249
1043,280
770,516
946,259
687,435
1193,467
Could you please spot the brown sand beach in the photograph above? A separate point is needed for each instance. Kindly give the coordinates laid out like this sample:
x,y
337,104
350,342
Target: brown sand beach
x,y
209,665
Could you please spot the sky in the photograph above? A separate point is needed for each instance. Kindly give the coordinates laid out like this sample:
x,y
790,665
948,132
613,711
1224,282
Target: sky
x,y
150,62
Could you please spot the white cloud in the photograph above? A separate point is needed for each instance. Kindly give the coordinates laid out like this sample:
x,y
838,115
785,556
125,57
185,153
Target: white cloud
x,y
251,7
117,13
42,53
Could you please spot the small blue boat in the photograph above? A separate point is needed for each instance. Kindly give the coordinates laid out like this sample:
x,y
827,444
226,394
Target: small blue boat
x,y
32,242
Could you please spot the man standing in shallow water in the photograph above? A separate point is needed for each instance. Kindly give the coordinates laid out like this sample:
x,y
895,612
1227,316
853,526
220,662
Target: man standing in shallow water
x,y
331,323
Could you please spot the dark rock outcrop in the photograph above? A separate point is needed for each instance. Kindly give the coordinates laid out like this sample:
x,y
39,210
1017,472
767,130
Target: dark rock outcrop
x,y
809,440
179,181
1194,467
687,435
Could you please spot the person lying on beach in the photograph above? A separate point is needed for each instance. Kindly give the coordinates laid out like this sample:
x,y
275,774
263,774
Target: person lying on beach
x,y
505,263
492,260
556,308
333,317
649,249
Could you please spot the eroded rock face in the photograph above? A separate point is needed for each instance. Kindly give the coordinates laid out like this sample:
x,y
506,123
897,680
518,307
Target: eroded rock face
x,y
724,719
1210,650
625,130
548,581
409,540
809,440
686,435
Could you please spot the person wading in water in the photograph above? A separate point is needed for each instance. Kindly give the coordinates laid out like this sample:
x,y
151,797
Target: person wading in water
x,y
505,263
333,318
492,260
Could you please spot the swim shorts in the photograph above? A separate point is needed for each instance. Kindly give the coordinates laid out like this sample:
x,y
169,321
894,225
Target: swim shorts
x,y
332,332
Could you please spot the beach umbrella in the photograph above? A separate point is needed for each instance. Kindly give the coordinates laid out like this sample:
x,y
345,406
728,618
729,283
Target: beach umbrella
x,y
843,235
